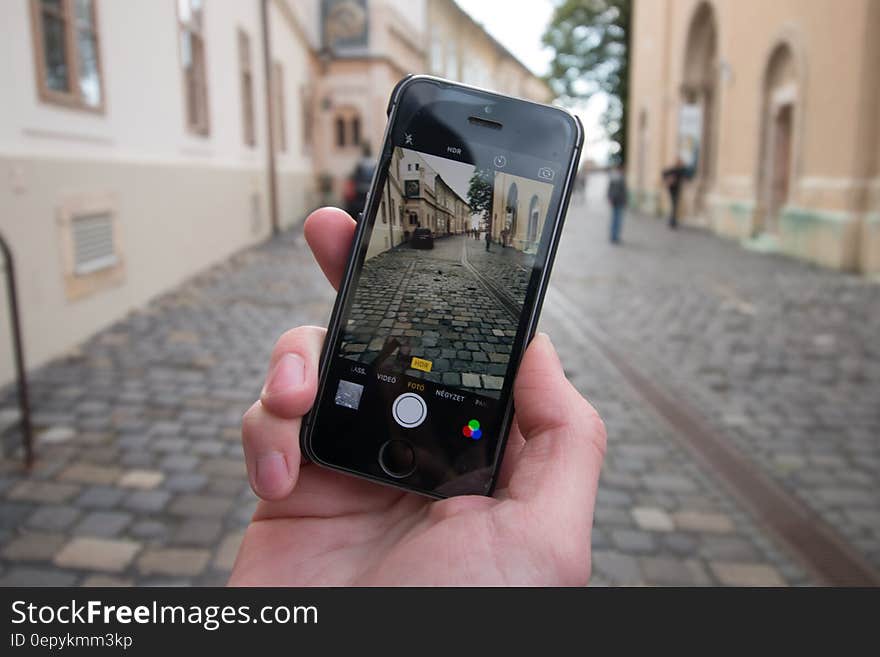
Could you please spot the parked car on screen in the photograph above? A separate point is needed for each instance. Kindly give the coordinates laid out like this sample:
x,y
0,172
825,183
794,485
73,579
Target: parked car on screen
x,y
422,238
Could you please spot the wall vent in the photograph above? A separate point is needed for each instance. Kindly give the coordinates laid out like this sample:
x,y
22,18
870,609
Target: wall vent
x,y
93,245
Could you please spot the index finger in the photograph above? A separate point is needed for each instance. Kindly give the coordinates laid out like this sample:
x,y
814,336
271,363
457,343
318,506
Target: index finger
x,y
329,232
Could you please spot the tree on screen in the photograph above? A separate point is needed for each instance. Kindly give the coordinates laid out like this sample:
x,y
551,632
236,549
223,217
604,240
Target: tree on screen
x,y
480,196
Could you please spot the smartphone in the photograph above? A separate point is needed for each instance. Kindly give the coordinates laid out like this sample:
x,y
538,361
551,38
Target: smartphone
x,y
443,288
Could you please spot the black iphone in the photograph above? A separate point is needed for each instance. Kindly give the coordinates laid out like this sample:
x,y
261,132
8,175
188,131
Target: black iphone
x,y
443,288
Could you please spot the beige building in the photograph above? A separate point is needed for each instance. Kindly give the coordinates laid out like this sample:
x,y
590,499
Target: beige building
x,y
519,206
776,105
134,140
133,150
362,48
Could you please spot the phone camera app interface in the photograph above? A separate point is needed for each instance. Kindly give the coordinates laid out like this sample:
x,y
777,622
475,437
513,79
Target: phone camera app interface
x,y
427,339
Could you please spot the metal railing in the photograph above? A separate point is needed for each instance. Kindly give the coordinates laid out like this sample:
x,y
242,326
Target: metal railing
x,y
18,349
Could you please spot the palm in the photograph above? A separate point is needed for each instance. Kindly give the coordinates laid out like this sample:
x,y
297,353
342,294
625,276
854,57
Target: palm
x,y
318,527
340,531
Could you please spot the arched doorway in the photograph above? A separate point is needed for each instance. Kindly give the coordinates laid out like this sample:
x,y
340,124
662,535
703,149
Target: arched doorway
x,y
699,95
534,217
778,115
511,212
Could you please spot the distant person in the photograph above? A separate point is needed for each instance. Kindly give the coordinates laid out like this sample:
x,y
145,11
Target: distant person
x,y
488,239
673,178
617,197
357,185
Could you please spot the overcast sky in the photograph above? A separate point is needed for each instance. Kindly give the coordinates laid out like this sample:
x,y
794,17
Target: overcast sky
x,y
456,174
518,25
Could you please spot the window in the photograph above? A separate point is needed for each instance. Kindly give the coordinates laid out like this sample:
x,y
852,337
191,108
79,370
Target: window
x,y
384,216
247,89
409,166
305,97
340,132
66,49
356,131
278,101
190,14
347,126
417,166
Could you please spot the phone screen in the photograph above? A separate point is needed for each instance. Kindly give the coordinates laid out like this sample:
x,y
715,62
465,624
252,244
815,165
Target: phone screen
x,y
420,371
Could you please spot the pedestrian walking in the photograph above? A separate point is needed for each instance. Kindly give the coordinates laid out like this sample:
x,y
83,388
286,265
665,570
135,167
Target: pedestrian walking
x,y
488,239
617,197
673,178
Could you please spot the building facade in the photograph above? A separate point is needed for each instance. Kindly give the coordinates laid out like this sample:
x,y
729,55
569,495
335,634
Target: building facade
x,y
518,209
143,141
133,147
777,118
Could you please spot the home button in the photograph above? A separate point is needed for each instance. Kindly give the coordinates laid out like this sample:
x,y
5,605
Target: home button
x,y
397,458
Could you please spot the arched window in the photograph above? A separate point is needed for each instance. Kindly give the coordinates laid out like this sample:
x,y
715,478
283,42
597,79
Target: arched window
x,y
534,218
340,132
699,96
778,116
347,126
356,131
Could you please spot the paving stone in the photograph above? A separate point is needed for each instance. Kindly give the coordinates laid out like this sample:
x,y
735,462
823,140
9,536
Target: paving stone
x,y
197,531
55,435
746,574
53,517
179,463
106,581
728,548
173,561
21,577
224,467
699,521
143,479
86,473
228,551
149,529
632,541
619,568
42,491
102,523
100,497
33,546
101,554
658,571
12,514
185,482
650,519
199,505
147,501
668,482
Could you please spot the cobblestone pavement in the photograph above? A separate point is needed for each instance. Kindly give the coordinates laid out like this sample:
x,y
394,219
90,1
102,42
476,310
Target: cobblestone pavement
x,y
781,357
140,477
434,308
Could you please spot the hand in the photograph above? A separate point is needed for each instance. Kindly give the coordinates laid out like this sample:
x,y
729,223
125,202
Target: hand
x,y
317,527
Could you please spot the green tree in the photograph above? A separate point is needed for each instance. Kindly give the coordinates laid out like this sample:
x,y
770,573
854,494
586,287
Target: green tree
x,y
480,195
591,44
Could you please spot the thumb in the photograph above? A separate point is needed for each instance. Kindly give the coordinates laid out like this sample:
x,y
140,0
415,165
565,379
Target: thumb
x,y
564,435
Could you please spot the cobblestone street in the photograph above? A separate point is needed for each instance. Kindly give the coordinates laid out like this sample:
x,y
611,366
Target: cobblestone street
x,y
434,306
140,477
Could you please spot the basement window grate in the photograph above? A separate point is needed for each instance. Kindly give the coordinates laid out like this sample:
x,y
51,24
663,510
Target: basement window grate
x,y
93,245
